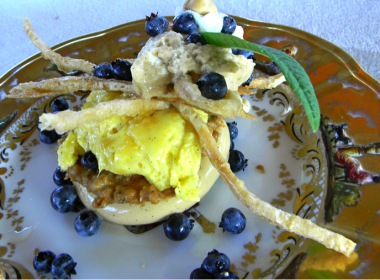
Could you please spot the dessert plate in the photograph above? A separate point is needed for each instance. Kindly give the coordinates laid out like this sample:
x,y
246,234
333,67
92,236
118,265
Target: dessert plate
x,y
288,167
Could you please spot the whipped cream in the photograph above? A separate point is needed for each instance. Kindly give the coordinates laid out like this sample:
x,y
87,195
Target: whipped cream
x,y
210,22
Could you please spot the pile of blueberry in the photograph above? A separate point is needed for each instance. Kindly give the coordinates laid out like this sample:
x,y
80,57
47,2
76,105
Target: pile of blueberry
x,y
61,266
215,266
118,69
65,199
236,159
50,136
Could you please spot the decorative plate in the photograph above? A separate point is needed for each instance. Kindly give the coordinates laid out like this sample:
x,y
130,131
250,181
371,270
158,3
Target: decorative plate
x,y
288,167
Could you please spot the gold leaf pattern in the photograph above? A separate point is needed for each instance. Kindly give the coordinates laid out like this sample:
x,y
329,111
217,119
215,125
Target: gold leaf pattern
x,y
277,127
249,256
308,148
25,153
288,182
13,214
208,227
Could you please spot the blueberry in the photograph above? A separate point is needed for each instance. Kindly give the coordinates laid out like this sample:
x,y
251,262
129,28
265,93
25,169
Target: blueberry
x,y
200,273
42,261
59,178
233,221
87,223
226,275
49,136
273,66
185,23
247,54
247,82
212,86
103,70
196,38
216,262
89,160
237,161
229,25
122,69
65,199
155,25
177,227
59,105
232,145
232,127
63,266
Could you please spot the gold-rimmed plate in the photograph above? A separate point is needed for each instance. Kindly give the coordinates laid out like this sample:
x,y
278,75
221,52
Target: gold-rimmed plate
x,y
294,160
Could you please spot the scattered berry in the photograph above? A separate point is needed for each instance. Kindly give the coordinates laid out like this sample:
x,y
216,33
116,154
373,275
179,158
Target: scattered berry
x,y
232,127
200,273
247,82
59,105
89,160
103,70
65,199
155,25
229,25
185,23
42,261
122,69
237,161
216,262
226,275
247,54
87,223
233,221
63,266
196,38
49,136
212,86
59,178
178,226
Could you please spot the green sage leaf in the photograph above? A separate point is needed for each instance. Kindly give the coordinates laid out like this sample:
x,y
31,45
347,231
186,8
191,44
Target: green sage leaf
x,y
295,75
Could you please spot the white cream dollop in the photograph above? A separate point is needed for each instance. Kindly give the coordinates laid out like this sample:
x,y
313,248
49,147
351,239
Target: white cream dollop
x,y
210,22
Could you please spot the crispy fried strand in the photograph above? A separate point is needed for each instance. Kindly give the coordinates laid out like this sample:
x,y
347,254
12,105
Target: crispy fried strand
x,y
68,120
227,107
265,83
65,64
247,115
67,84
275,216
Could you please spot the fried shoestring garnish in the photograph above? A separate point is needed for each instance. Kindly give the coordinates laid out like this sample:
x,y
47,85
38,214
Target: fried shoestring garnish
x,y
68,120
265,83
246,115
245,91
287,221
67,84
65,64
228,107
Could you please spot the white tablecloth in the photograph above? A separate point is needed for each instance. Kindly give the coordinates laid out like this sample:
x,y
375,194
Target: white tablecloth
x,y
353,25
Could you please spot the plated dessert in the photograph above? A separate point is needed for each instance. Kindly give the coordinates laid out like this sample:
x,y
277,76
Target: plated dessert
x,y
171,91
